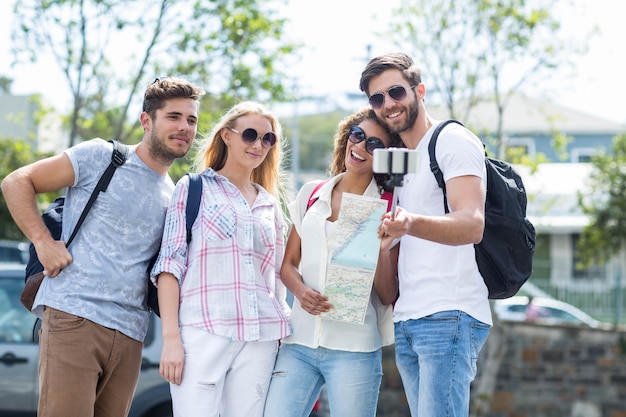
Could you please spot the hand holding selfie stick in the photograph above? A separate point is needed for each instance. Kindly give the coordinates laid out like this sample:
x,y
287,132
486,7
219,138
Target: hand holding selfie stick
x,y
394,202
395,162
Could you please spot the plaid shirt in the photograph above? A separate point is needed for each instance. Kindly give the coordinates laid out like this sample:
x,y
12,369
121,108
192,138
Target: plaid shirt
x,y
230,272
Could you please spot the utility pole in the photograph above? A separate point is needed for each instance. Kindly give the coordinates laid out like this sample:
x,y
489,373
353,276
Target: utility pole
x,y
295,140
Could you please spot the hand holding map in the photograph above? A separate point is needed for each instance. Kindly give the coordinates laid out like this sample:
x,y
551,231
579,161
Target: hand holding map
x,y
351,269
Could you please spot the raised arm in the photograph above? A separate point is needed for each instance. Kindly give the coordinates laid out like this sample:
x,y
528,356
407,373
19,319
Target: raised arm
x,y
463,225
20,189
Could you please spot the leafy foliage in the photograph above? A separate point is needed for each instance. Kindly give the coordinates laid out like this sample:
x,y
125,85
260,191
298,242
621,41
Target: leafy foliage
x,y
14,154
316,139
234,48
605,235
481,50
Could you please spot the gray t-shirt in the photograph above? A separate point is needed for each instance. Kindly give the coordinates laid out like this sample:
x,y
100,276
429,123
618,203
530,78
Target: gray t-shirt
x,y
107,280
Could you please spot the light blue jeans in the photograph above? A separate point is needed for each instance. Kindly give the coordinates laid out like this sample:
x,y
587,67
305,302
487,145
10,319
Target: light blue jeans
x,y
436,356
352,381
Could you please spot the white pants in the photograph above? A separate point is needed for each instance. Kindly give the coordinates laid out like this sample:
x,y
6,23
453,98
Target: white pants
x,y
221,377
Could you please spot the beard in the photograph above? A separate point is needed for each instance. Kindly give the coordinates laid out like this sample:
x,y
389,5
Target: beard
x,y
412,112
160,152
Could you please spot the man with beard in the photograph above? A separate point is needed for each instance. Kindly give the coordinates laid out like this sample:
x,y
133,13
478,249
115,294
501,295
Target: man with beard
x,y
442,316
92,299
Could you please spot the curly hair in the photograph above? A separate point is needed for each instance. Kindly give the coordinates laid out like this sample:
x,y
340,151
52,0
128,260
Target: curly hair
x,y
338,164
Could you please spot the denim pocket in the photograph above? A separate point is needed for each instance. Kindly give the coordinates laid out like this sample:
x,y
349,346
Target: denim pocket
x,y
479,332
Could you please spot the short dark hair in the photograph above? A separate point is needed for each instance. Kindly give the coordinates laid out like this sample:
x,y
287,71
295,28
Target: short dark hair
x,y
397,60
162,89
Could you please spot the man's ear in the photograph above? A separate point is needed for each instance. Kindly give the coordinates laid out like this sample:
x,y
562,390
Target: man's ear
x,y
421,90
146,121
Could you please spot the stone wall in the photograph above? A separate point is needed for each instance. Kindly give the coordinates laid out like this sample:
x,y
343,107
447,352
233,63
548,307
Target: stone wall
x,y
550,371
545,371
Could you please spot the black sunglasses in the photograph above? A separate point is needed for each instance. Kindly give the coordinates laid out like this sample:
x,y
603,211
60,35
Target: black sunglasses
x,y
250,136
357,135
397,92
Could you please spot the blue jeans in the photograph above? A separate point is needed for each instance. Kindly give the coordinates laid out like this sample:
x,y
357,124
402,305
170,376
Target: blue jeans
x,y
436,356
352,381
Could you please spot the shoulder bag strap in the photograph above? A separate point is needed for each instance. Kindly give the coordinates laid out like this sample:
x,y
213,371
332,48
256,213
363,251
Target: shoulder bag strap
x,y
434,166
193,202
118,158
313,198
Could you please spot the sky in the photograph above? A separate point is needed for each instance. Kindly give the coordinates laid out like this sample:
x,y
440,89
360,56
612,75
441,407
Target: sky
x,y
336,34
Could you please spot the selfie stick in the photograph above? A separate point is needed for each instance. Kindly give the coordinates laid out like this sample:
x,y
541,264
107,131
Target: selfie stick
x,y
396,179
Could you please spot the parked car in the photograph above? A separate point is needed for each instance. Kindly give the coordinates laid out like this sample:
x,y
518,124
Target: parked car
x,y
542,310
13,251
19,357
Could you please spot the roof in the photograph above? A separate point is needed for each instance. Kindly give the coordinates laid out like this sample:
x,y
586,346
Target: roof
x,y
553,196
525,115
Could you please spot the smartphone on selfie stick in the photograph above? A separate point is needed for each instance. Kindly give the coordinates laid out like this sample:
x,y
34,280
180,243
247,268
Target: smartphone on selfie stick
x,y
395,162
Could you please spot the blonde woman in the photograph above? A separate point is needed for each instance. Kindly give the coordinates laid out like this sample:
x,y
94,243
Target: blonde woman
x,y
221,299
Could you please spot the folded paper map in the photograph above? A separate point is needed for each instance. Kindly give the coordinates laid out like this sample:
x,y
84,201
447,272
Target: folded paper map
x,y
354,256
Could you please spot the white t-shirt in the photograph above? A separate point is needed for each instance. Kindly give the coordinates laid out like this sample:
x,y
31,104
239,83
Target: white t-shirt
x,y
434,277
313,331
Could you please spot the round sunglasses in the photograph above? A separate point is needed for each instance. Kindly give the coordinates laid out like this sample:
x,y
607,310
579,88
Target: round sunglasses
x,y
397,92
249,136
357,135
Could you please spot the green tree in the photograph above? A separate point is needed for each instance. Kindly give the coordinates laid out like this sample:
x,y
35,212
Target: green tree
x,y
605,204
316,138
14,154
482,50
5,84
109,49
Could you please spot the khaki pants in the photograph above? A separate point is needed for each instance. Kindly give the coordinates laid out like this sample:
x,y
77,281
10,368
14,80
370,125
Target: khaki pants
x,y
85,370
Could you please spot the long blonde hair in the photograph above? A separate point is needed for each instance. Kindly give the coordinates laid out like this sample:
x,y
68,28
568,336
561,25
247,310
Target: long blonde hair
x,y
214,152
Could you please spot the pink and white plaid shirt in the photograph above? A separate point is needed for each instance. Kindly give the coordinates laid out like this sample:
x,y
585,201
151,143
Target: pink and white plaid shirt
x,y
230,273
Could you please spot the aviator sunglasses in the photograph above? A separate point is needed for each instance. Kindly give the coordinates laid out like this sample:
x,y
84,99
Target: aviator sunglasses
x,y
397,92
249,136
357,135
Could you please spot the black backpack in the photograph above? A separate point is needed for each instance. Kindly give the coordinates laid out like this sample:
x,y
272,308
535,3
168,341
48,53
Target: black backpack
x,y
53,219
191,212
505,254
193,202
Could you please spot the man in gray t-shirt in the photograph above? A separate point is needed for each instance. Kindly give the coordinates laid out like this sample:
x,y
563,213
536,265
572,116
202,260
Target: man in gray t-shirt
x,y
92,301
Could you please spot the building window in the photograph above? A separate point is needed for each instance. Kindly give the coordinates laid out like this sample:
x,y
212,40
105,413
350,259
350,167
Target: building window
x,y
523,146
541,260
582,154
580,272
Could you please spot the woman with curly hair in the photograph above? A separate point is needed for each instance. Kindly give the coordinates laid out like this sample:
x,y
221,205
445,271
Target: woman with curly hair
x,y
344,356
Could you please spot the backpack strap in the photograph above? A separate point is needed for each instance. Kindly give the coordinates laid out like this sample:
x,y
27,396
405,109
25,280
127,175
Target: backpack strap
x,y
434,166
193,202
313,197
388,195
118,158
